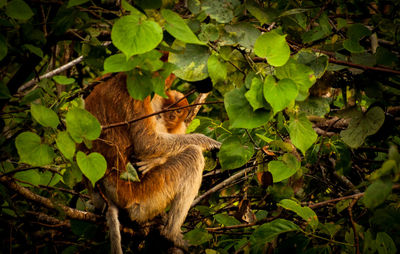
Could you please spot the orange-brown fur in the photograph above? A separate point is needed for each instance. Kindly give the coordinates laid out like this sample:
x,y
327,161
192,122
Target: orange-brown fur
x,y
175,181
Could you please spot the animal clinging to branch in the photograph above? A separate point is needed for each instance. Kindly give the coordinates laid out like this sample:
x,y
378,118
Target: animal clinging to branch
x,y
175,182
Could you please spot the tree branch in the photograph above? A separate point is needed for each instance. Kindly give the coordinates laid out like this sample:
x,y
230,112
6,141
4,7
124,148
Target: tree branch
x,y
358,195
50,74
70,212
221,185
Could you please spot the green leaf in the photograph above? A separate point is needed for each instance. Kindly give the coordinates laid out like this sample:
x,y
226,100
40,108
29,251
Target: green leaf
x,y
265,16
314,106
197,236
353,46
385,244
139,84
193,125
29,176
269,231
274,47
301,132
18,9
178,28
133,10
134,36
317,62
72,3
130,174
222,11
93,166
240,112
216,69
48,178
242,33
191,63
65,144
280,171
233,154
3,47
33,49
301,74
255,95
226,220
363,125
357,31
44,116
82,125
32,151
279,94
304,212
63,80
377,193
118,63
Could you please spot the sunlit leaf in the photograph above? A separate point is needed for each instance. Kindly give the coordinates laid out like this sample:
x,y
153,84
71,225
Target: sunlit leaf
x,y
274,47
279,94
178,28
133,36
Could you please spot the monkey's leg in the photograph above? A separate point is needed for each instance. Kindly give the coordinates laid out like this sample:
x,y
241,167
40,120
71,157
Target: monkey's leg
x,y
114,228
191,164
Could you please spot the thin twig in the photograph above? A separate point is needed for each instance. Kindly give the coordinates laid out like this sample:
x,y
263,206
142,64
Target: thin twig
x,y
363,67
221,185
358,195
353,225
119,124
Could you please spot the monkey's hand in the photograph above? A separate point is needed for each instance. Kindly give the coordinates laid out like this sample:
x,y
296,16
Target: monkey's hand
x,y
146,165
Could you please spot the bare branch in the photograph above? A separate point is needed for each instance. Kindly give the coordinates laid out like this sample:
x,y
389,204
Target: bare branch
x,y
193,111
69,212
50,74
221,185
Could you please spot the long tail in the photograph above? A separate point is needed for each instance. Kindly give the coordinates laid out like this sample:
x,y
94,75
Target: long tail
x,y
114,228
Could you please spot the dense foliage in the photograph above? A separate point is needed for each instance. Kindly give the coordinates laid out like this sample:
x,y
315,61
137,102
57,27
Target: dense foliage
x,y
309,121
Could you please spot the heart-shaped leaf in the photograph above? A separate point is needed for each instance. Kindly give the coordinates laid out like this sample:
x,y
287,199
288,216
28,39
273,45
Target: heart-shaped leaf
x,y
93,166
279,94
363,125
274,47
133,36
32,151
301,132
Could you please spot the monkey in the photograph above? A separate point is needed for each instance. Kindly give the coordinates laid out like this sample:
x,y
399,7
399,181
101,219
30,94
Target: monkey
x,y
175,182
170,122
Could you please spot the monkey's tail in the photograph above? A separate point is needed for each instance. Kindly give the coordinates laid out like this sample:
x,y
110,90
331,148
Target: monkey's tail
x,y
114,228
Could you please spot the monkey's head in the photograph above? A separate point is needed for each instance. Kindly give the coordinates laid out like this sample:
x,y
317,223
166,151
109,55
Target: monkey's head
x,y
174,120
